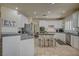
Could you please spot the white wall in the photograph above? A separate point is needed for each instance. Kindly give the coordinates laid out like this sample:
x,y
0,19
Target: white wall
x,y
56,23
10,14
22,20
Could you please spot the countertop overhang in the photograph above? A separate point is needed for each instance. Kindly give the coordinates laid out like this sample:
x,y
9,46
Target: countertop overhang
x,y
14,34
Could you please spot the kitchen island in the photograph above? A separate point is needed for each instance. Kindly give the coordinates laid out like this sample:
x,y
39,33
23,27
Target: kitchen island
x,y
17,45
45,40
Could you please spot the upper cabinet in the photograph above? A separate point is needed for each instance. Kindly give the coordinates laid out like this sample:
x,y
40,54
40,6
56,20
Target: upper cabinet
x,y
72,22
75,19
78,19
68,23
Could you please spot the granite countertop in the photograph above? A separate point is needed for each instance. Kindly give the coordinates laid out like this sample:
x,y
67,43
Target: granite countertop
x,y
13,34
26,36
23,36
48,33
75,34
69,33
58,32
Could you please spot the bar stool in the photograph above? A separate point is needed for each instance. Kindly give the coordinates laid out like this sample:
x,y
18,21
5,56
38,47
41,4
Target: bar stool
x,y
39,42
46,42
44,39
51,39
51,43
54,43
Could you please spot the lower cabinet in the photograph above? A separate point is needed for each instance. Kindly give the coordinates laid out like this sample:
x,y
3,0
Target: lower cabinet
x,y
60,36
75,41
10,45
27,47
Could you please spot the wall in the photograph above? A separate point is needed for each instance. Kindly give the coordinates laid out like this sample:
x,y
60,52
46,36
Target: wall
x,y
22,20
56,23
12,15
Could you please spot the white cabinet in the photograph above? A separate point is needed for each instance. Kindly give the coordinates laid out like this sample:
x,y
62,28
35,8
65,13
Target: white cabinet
x,y
68,23
75,19
27,47
60,36
10,46
72,22
14,46
72,41
75,41
78,19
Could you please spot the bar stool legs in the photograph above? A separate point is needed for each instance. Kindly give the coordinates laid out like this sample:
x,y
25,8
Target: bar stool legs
x,y
54,43
51,43
39,42
46,42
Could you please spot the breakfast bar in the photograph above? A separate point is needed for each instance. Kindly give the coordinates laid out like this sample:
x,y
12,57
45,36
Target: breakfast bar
x,y
46,40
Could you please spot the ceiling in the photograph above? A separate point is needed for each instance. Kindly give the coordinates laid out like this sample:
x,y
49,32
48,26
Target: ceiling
x,y
44,10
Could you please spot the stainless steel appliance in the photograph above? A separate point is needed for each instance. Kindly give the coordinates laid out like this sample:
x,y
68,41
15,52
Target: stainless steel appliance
x,y
59,30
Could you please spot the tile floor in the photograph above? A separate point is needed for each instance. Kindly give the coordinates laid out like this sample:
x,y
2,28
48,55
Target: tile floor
x,y
59,50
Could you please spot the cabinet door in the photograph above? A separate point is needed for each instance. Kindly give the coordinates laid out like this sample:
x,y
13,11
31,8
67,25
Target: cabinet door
x,y
76,42
75,19
27,47
78,19
10,46
72,41
60,36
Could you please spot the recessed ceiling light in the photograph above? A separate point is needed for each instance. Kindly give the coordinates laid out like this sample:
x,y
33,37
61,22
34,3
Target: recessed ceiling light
x,y
52,3
49,12
34,12
63,11
16,7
